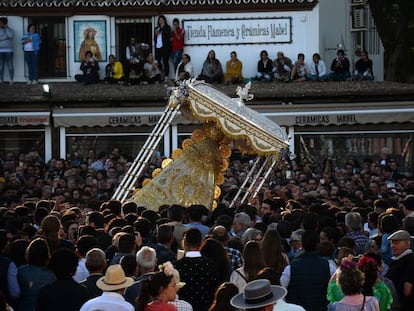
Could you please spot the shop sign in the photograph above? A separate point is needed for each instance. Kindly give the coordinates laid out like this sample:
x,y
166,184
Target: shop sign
x,y
12,120
325,119
238,31
126,120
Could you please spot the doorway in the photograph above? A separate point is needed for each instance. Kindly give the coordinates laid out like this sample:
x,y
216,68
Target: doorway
x,y
140,28
52,56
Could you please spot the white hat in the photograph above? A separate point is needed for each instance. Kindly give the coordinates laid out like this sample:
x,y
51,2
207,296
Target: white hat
x,y
114,279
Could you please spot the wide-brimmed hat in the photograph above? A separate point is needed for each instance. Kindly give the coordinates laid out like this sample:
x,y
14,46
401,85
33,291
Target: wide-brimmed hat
x,y
257,294
114,279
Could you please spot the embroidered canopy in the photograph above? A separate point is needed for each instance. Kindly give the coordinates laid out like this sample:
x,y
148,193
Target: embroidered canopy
x,y
252,132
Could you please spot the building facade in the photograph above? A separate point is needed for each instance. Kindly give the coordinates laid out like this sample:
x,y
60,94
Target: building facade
x,y
331,120
245,26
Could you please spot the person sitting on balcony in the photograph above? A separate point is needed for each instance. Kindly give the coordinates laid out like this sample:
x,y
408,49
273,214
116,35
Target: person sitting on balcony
x,y
340,67
114,71
152,70
89,68
363,68
212,71
317,69
282,66
264,67
299,70
234,69
185,69
135,58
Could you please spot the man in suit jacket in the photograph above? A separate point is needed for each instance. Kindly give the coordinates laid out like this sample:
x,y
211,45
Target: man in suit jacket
x,y
96,264
198,272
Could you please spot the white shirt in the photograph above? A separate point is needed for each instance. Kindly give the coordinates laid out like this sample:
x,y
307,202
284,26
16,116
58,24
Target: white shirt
x,y
192,254
187,68
282,305
411,214
321,68
81,271
108,301
28,47
238,280
181,305
129,49
158,44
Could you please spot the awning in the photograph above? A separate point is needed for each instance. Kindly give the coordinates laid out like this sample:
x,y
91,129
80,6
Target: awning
x,y
290,116
17,118
342,117
111,117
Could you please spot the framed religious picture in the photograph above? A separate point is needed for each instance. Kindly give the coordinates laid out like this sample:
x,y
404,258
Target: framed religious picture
x,y
89,36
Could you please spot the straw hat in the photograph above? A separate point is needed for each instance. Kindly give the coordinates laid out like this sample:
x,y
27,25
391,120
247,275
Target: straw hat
x,y
114,279
257,294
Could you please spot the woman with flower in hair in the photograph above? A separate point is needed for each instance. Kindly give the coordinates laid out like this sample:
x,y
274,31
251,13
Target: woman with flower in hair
x,y
351,282
158,290
334,292
373,285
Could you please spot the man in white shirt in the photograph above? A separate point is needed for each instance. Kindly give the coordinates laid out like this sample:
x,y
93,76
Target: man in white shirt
x,y
317,69
113,285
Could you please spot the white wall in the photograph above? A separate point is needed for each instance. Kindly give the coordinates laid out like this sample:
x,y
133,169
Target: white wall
x,y
304,40
305,37
319,30
334,28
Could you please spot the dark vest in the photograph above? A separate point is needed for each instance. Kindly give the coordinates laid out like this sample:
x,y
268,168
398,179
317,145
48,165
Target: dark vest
x,y
133,52
309,277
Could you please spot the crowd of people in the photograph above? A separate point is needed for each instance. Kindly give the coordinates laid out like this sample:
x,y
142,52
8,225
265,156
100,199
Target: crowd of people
x,y
145,69
142,67
338,239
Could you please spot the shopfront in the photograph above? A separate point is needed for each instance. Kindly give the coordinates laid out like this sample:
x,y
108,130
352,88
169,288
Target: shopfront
x,y
103,130
26,132
364,132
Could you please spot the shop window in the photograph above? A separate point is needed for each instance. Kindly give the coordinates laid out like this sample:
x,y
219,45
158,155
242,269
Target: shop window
x,y
316,148
22,141
129,144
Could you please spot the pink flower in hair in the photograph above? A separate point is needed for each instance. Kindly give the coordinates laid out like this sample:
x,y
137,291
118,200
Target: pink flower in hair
x,y
348,264
364,260
167,268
